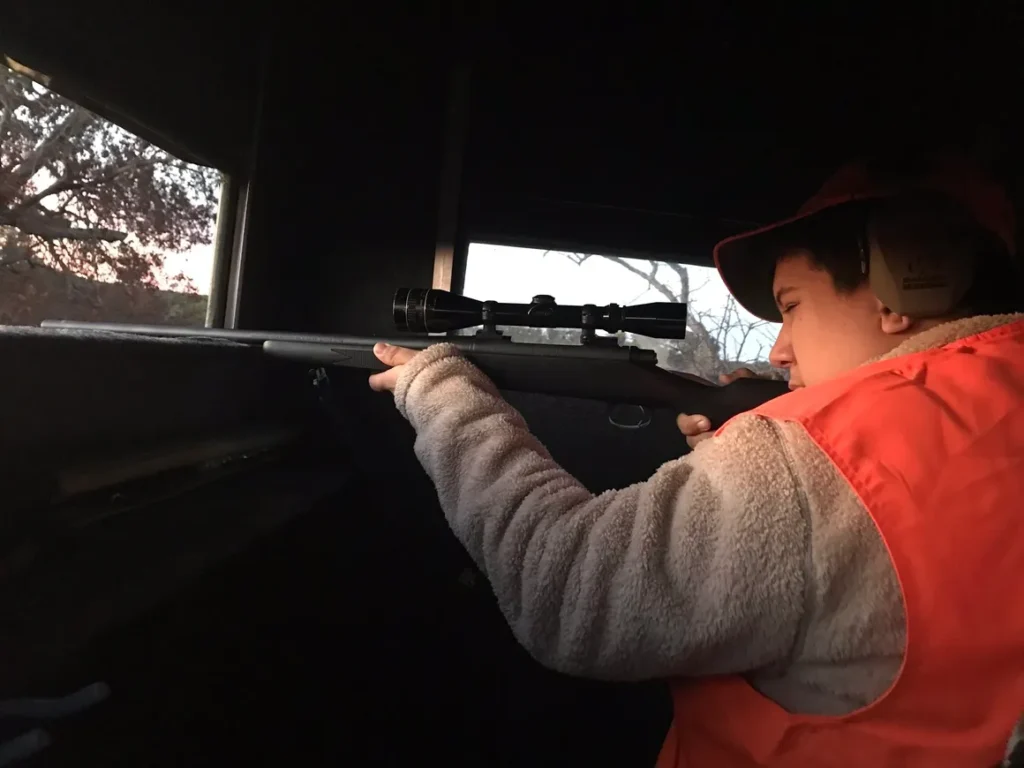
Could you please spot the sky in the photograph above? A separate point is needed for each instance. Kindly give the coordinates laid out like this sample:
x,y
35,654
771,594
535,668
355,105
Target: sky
x,y
196,264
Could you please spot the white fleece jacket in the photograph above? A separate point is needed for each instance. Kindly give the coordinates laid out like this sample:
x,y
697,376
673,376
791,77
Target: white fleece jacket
x,y
750,555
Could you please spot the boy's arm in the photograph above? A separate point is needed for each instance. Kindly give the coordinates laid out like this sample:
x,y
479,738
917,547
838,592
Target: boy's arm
x,y
699,570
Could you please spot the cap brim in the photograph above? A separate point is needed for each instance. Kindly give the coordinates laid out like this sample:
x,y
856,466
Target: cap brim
x,y
746,262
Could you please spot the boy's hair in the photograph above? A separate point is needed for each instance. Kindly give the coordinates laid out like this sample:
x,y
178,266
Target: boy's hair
x,y
834,243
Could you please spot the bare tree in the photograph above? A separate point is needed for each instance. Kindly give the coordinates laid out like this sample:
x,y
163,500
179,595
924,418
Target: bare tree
x,y
728,325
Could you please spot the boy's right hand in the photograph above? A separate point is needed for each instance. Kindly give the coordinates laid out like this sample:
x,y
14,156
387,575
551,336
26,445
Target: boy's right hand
x,y
697,428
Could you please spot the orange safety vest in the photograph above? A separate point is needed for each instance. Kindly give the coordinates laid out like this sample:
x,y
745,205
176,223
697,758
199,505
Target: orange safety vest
x,y
933,445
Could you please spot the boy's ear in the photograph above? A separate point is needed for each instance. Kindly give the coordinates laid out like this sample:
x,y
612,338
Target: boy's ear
x,y
894,323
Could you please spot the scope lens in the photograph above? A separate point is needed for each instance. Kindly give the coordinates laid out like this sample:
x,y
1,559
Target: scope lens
x,y
429,310
409,309
398,312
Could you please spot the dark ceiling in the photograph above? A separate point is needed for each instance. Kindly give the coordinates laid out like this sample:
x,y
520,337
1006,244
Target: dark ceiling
x,y
709,114
737,114
184,73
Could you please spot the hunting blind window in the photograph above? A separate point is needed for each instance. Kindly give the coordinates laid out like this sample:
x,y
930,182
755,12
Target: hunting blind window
x,y
96,223
720,335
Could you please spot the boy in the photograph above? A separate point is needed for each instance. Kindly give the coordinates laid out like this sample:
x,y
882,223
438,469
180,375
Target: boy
x,y
824,579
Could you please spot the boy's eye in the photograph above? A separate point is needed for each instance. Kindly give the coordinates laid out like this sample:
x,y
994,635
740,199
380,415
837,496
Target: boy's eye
x,y
788,307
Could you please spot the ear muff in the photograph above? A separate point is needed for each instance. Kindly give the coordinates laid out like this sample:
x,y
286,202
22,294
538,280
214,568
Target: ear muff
x,y
921,252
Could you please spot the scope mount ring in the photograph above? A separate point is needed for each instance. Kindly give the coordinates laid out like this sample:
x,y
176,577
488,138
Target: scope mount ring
x,y
487,311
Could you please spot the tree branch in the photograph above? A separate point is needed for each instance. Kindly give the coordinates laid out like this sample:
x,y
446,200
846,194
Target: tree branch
x,y
7,101
575,258
5,116
54,228
684,280
14,253
28,166
69,184
650,277
699,328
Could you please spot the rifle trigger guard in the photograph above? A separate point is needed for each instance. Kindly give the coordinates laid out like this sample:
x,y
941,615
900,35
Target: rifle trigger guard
x,y
628,416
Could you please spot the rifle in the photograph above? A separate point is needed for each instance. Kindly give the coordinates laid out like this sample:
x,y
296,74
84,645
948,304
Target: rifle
x,y
599,368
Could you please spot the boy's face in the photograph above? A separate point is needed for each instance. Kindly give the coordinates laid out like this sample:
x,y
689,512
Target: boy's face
x,y
826,333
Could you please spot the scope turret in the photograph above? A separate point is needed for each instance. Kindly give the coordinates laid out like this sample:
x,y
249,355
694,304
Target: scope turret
x,y
430,310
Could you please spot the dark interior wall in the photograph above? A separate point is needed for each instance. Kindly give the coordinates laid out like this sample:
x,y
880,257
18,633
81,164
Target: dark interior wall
x,y
185,74
80,404
662,130
348,171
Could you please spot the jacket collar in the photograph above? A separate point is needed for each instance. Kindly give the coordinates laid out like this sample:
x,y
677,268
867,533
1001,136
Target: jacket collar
x,y
947,333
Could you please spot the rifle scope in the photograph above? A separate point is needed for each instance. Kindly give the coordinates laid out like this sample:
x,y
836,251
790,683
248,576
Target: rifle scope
x,y
429,310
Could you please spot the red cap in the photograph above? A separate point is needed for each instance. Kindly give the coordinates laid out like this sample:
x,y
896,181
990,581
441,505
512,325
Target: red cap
x,y
747,270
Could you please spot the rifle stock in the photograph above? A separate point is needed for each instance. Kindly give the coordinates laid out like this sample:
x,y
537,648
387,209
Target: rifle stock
x,y
613,374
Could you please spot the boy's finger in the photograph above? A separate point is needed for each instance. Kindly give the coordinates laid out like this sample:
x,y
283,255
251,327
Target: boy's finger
x,y
694,424
389,354
384,381
739,373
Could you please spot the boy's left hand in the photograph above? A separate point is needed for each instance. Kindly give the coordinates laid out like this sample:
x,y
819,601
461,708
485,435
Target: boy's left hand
x,y
697,428
396,357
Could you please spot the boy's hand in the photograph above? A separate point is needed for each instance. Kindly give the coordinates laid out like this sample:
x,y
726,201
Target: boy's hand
x,y
697,428
393,356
